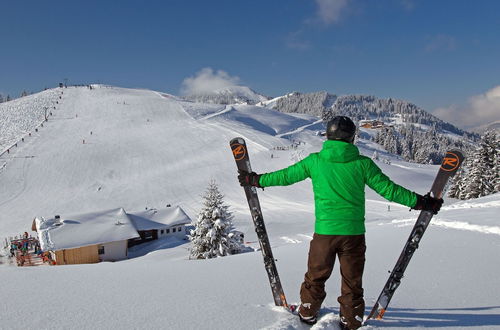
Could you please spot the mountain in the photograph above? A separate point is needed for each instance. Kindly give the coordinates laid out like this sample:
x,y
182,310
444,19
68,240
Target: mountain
x,y
228,95
148,149
495,126
404,129
360,107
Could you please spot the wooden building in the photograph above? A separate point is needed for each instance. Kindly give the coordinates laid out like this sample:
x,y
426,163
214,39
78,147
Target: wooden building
x,y
371,123
86,238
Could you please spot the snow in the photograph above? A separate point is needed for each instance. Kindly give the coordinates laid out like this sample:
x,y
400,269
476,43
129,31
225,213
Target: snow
x,y
148,150
156,218
72,231
23,115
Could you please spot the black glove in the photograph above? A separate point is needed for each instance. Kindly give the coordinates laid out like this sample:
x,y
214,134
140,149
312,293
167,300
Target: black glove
x,y
249,179
428,203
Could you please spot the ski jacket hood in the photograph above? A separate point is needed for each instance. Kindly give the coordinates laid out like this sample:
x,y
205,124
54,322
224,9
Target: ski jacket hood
x,y
339,151
339,175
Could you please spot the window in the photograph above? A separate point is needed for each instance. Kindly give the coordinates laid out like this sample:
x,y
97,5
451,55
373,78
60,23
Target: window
x,y
101,249
168,231
162,231
173,230
179,229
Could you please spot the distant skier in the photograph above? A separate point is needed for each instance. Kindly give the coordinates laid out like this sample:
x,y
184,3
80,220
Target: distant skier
x,y
339,175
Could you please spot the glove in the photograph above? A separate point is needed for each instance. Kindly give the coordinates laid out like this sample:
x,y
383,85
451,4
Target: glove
x,y
428,203
249,179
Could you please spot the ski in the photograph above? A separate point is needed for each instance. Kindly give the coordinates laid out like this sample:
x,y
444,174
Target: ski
x,y
451,162
240,153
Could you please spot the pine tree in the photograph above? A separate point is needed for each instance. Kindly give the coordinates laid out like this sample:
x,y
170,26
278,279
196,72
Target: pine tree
x,y
479,175
496,161
212,235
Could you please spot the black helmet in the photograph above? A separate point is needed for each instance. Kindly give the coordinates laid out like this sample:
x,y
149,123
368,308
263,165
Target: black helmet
x,y
341,128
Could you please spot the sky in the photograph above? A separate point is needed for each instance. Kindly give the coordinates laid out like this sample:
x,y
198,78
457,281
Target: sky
x,y
441,55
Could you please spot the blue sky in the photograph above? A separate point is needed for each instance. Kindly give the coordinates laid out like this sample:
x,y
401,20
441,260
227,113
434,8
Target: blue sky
x,y
441,55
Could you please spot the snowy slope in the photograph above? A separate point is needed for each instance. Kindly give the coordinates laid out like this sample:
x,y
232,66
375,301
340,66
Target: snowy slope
x,y
21,116
148,149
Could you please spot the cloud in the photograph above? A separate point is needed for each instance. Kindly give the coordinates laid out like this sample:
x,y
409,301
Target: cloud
x,y
408,5
330,11
440,42
207,80
479,110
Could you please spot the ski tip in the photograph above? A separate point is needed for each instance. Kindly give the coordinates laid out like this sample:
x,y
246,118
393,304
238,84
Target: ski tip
x,y
239,149
452,160
239,140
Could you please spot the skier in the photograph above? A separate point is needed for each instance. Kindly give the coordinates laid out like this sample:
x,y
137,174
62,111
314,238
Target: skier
x,y
339,174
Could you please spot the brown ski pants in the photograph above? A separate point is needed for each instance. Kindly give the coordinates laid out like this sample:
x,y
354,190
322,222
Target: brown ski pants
x,y
322,252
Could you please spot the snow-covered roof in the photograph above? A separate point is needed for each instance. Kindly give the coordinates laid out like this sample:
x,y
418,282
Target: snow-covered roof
x,y
154,219
72,231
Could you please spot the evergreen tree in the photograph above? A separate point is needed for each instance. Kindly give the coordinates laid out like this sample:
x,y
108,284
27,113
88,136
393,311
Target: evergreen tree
x,y
479,175
212,235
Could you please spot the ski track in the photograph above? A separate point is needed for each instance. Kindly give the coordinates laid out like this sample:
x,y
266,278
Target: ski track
x,y
290,240
469,205
299,129
460,225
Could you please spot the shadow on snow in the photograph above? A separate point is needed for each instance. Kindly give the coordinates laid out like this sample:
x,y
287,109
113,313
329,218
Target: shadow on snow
x,y
435,318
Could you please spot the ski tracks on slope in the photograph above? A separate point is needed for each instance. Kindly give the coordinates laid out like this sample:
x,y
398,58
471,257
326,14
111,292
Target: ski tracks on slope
x,y
22,181
460,225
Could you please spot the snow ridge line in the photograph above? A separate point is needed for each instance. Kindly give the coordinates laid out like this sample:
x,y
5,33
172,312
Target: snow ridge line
x,y
299,129
460,225
227,109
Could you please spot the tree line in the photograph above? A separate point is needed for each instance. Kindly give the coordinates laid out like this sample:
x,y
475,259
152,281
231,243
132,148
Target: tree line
x,y
480,174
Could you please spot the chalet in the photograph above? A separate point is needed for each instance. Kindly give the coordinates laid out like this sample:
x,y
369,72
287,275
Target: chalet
x,y
153,224
86,238
371,124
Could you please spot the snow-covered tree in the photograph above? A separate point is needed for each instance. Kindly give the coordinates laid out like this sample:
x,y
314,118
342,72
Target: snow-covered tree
x,y
212,236
479,175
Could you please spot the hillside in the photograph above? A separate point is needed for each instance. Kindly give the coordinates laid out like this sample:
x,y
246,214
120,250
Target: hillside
x,y
407,130
112,147
360,107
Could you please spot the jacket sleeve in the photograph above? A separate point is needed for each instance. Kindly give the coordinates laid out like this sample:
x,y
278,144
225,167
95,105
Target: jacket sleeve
x,y
287,176
386,188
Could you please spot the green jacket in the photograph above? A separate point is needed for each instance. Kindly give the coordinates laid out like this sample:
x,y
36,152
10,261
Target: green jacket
x,y
339,175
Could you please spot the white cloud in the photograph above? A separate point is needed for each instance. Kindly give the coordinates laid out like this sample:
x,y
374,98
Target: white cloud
x,y
408,5
207,80
330,11
479,110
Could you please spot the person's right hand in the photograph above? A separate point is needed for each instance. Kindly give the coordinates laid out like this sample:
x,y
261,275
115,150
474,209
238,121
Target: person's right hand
x,y
248,179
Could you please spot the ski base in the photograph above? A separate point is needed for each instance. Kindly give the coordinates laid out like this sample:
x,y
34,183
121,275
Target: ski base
x,y
451,162
240,154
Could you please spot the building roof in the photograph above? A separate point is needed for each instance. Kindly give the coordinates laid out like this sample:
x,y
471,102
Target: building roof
x,y
72,231
154,219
